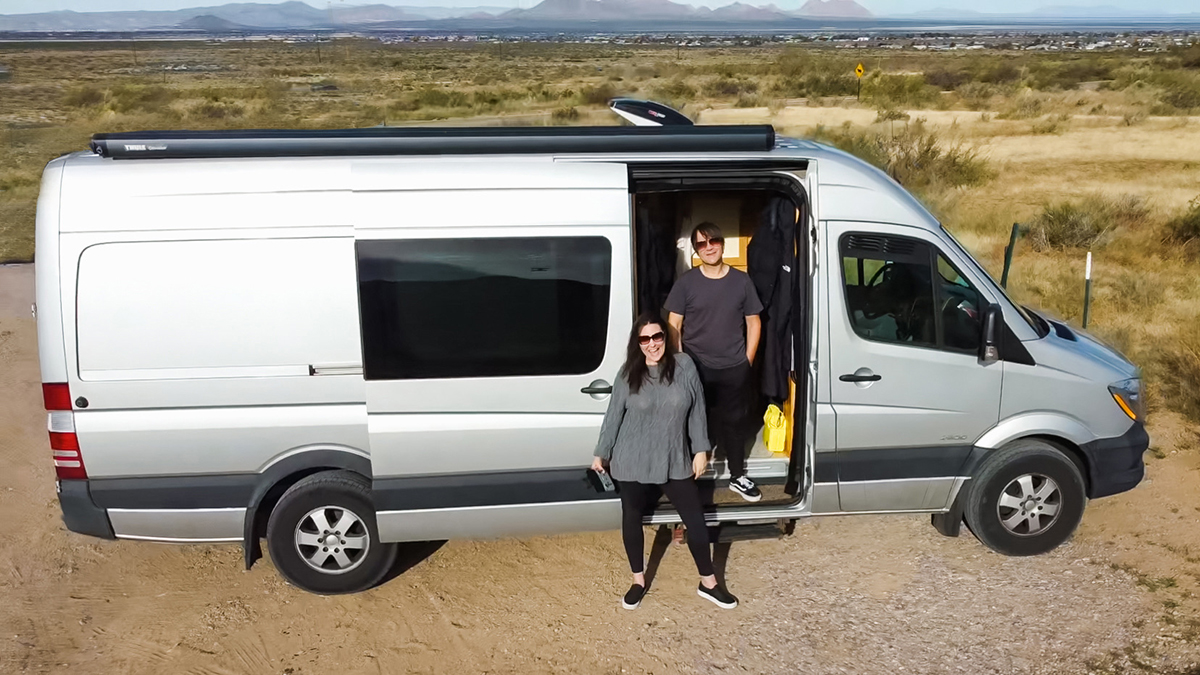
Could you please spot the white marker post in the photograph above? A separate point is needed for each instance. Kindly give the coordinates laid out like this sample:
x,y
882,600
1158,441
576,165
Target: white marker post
x,y
1087,289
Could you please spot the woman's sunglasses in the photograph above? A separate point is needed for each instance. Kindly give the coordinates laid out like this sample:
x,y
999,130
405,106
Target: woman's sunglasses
x,y
646,339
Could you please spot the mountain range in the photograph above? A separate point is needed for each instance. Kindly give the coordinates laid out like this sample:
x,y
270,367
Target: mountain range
x,y
299,15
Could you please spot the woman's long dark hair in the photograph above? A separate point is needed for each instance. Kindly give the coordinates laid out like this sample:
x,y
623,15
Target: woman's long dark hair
x,y
635,369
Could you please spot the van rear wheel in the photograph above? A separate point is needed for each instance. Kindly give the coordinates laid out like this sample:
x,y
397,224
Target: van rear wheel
x,y
1026,499
323,538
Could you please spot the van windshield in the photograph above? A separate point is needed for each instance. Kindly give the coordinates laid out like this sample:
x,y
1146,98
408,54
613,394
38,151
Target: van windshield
x,y
1033,322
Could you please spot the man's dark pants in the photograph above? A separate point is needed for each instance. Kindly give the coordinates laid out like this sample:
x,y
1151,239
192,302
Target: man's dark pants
x,y
727,394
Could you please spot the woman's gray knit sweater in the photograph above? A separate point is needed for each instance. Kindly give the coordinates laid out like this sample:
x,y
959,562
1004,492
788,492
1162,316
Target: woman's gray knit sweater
x,y
651,436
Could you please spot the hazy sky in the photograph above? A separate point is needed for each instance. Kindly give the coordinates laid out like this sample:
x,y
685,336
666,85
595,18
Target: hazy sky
x,y
879,7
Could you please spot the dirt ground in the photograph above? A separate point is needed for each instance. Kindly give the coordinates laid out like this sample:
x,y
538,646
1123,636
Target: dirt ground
x,y
843,595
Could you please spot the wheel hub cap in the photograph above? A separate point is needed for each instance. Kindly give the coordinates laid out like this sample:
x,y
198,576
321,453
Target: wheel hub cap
x,y
1029,504
332,539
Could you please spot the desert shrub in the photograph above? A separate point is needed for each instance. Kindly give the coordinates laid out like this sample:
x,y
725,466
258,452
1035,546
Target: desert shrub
x,y
914,156
441,98
566,114
1174,370
886,89
13,179
83,96
217,110
1001,73
674,90
727,87
817,84
597,95
749,101
947,80
1086,224
1184,229
1067,74
1191,57
1023,107
1182,94
890,114
125,98
977,95
1054,124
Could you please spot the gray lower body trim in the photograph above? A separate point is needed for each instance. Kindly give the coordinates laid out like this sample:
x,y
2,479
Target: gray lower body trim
x,y
184,526
902,494
491,522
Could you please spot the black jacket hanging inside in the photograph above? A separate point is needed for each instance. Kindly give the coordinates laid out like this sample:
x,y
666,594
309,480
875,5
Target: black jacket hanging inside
x,y
771,263
656,253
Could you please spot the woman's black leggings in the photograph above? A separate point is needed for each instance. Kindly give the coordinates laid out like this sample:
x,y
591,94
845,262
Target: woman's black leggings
x,y
636,501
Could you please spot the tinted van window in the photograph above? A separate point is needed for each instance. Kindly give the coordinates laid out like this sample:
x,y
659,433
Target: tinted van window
x,y
453,308
903,290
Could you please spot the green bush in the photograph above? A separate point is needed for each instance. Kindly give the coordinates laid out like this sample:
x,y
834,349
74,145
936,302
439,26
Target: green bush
x,y
890,90
567,114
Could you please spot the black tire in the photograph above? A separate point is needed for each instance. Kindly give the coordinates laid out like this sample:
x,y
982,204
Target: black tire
x,y
327,497
1003,470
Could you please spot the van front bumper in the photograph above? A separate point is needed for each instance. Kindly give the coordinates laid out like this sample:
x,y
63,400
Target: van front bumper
x,y
1115,464
79,513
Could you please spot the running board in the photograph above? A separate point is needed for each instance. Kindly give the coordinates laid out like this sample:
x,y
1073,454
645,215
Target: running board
x,y
728,532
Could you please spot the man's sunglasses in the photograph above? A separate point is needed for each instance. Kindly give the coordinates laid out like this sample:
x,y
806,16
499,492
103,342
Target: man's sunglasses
x,y
646,339
715,241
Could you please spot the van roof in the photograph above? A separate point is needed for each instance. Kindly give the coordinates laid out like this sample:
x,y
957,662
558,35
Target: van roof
x,y
848,188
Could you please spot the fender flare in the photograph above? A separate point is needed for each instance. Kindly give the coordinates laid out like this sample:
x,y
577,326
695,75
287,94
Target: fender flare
x,y
299,460
1035,424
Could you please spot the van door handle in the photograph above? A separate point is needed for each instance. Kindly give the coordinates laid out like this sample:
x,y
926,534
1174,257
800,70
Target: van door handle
x,y
598,389
855,377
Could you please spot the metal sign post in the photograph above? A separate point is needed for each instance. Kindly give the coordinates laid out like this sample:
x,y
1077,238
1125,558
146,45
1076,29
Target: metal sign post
x,y
1087,289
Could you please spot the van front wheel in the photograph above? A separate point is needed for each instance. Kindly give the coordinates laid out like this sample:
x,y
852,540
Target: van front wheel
x,y
323,538
1026,499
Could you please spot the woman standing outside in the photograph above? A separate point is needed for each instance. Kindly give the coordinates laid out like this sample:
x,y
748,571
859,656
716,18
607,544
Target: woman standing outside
x,y
655,440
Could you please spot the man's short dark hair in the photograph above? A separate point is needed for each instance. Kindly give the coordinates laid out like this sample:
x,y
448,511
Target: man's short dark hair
x,y
709,230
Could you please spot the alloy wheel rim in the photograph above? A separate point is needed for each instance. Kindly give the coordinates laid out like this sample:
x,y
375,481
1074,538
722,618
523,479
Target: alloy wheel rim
x,y
1029,505
332,539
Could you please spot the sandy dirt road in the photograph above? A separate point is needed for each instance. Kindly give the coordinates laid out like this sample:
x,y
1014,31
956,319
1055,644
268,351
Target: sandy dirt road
x,y
844,595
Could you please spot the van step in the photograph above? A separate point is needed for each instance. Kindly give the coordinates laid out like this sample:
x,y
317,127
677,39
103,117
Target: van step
x,y
727,532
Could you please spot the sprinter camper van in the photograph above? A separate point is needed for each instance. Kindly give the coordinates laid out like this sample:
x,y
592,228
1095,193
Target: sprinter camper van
x,y
341,340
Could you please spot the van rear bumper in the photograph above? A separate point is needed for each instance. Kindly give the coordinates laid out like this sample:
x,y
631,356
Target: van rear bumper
x,y
79,513
1115,464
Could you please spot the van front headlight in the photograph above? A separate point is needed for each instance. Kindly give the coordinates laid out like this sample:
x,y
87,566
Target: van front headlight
x,y
1130,397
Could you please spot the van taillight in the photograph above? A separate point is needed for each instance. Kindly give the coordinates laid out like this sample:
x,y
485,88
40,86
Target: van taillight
x,y
64,444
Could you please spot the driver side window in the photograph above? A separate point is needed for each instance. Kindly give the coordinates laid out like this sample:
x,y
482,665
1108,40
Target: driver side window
x,y
904,291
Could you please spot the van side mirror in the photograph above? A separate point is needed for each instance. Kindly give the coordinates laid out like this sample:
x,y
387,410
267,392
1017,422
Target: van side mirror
x,y
989,346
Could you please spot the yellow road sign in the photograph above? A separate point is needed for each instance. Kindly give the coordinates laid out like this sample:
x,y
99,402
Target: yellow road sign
x,y
859,70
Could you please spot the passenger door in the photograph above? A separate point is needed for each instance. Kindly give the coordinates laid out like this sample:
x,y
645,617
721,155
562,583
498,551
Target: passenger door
x,y
908,390
489,344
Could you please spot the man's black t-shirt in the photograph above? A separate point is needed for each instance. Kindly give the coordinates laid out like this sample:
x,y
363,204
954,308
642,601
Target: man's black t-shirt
x,y
714,315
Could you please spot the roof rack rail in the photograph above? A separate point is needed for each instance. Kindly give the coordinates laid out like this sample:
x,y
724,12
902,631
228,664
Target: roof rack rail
x,y
431,141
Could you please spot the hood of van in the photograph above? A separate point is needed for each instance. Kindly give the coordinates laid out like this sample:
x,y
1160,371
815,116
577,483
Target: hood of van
x,y
1077,351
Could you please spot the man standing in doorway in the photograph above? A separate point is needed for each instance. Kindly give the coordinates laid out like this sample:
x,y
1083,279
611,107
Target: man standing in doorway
x,y
714,318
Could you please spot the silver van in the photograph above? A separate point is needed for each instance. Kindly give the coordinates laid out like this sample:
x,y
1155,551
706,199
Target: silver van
x,y
340,340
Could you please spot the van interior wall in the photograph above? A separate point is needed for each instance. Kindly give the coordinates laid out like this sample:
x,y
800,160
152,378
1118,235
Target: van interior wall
x,y
663,224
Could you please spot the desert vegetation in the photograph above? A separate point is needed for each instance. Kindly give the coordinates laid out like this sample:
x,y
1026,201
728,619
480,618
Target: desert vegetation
x,y
1086,151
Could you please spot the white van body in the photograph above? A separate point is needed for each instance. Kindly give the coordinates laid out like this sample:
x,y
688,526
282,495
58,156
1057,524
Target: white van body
x,y
204,316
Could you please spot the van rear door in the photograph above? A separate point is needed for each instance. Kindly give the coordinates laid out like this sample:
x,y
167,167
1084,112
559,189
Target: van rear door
x,y
495,301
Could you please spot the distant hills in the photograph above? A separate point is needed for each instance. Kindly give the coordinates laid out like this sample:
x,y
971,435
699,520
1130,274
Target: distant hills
x,y
623,15
300,16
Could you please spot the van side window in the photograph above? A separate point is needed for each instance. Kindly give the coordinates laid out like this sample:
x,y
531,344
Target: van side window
x,y
904,291
452,308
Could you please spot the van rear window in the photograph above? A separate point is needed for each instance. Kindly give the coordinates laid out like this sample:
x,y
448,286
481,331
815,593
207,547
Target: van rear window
x,y
493,307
